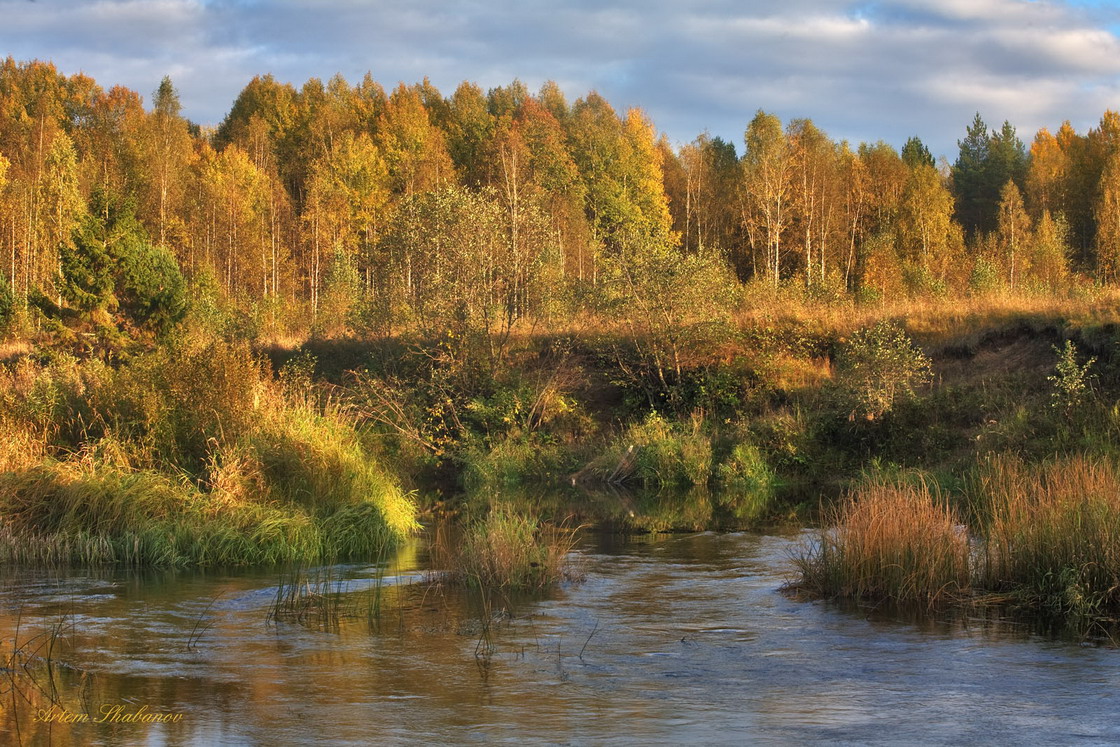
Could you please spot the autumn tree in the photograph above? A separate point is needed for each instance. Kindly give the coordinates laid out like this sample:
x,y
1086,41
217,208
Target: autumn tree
x,y
855,199
1107,215
766,188
925,221
415,150
704,216
555,180
1050,251
1048,171
470,128
348,192
1013,232
236,204
813,194
167,148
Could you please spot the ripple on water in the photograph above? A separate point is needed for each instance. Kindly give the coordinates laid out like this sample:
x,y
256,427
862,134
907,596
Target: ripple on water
x,y
683,639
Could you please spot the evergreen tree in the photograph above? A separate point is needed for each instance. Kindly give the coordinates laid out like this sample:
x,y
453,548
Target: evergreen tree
x,y
915,153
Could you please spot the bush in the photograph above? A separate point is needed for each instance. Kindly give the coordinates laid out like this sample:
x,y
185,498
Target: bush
x,y
670,453
876,367
746,469
7,307
1070,379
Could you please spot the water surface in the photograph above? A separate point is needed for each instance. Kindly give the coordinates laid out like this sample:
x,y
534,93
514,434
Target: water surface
x,y
671,638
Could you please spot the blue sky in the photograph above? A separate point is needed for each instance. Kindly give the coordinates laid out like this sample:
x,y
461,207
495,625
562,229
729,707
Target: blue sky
x,y
859,70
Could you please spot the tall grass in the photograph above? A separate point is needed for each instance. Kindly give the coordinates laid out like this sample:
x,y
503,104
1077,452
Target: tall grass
x,y
1046,537
1052,533
190,456
889,540
507,550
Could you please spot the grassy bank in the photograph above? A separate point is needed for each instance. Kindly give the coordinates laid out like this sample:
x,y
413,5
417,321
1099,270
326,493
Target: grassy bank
x,y
197,451
786,401
188,455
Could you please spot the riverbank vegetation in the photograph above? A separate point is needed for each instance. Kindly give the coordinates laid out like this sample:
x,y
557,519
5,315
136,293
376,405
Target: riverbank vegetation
x,y
1041,537
290,336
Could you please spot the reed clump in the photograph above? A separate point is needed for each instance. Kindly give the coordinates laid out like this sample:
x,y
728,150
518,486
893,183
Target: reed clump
x,y
1045,537
889,540
1052,533
509,550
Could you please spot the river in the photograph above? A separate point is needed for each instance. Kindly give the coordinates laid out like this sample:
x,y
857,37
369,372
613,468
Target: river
x,y
682,638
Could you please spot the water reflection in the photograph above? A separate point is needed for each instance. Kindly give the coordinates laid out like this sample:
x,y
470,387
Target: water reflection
x,y
670,638
634,509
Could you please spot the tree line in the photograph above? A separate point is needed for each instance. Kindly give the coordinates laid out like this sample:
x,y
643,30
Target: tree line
x,y
350,207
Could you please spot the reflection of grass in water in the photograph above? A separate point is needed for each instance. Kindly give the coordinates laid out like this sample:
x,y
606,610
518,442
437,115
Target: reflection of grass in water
x,y
634,509
36,680
319,599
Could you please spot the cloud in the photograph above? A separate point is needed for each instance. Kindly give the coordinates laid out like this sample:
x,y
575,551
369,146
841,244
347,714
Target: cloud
x,y
860,70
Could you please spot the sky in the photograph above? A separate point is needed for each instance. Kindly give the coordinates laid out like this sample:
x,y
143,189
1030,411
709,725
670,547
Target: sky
x,y
862,71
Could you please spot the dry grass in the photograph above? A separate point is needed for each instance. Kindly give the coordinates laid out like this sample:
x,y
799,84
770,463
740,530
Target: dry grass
x,y
889,541
1053,533
1050,541
933,319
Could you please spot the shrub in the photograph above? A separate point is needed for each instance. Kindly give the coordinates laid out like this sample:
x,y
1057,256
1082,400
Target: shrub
x,y
1070,379
876,367
746,469
668,453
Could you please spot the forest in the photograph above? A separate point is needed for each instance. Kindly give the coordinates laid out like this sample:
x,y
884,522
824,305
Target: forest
x,y
343,210
299,333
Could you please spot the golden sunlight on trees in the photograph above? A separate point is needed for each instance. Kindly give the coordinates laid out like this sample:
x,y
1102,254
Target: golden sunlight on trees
x,y
766,191
1013,232
339,200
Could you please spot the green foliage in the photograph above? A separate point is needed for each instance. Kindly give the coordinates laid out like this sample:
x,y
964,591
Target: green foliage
x,y
746,469
661,453
876,367
150,288
675,307
186,456
1070,380
984,277
987,160
508,550
109,266
7,306
340,294
915,153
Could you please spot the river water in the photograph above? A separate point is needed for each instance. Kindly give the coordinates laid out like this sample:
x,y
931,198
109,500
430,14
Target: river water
x,y
669,639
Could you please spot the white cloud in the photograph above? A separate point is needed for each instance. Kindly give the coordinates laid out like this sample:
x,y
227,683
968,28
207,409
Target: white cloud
x,y
860,70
